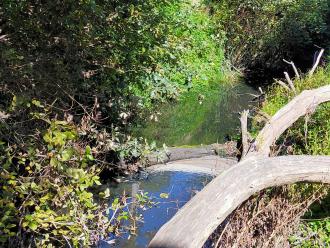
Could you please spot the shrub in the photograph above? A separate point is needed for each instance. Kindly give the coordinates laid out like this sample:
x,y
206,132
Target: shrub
x,y
47,177
261,33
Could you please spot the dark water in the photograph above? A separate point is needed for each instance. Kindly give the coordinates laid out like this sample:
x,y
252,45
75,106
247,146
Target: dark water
x,y
180,188
199,118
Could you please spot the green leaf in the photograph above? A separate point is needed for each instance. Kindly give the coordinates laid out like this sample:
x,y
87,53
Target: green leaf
x,y
37,103
33,225
164,195
67,154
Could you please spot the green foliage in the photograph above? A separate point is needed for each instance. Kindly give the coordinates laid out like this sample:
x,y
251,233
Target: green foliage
x,y
44,191
201,75
129,54
314,233
47,179
195,51
260,33
108,47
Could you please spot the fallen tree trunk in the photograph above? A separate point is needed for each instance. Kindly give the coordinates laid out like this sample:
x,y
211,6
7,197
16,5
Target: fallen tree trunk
x,y
181,153
301,105
193,224
197,220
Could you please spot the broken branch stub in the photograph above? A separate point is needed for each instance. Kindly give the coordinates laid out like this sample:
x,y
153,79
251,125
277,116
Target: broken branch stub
x,y
293,67
290,82
317,62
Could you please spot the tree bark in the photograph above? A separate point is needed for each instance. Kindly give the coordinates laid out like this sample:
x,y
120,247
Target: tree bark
x,y
196,221
303,104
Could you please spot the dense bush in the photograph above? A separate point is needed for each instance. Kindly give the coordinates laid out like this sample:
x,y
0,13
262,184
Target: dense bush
x,y
47,180
261,33
84,48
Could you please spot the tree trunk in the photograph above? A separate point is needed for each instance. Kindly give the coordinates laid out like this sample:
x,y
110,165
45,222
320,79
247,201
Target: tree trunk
x,y
197,220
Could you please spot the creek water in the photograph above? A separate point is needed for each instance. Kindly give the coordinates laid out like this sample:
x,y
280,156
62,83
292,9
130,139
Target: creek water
x,y
199,118
179,188
204,117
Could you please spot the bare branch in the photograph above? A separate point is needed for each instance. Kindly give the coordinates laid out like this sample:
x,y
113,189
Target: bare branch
x,y
290,82
294,68
284,85
317,62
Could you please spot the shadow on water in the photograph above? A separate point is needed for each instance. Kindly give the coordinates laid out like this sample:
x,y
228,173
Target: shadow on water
x,y
179,186
200,118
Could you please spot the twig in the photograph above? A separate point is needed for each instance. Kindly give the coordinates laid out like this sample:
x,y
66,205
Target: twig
x,y
222,233
294,68
320,219
287,77
317,62
284,85
67,241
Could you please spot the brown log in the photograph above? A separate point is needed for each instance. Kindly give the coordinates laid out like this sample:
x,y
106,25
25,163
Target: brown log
x,y
180,153
303,104
197,220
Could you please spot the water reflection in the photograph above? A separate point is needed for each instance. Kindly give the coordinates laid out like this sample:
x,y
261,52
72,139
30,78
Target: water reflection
x,y
194,122
180,186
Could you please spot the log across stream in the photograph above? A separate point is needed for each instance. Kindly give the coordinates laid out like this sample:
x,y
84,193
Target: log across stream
x,y
188,169
180,181
256,171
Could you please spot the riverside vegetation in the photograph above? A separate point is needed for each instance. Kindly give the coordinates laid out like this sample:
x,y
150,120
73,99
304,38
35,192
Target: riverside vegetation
x,y
76,76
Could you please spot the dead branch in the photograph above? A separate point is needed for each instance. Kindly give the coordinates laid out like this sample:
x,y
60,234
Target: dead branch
x,y
301,105
284,85
290,82
197,220
317,62
294,68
